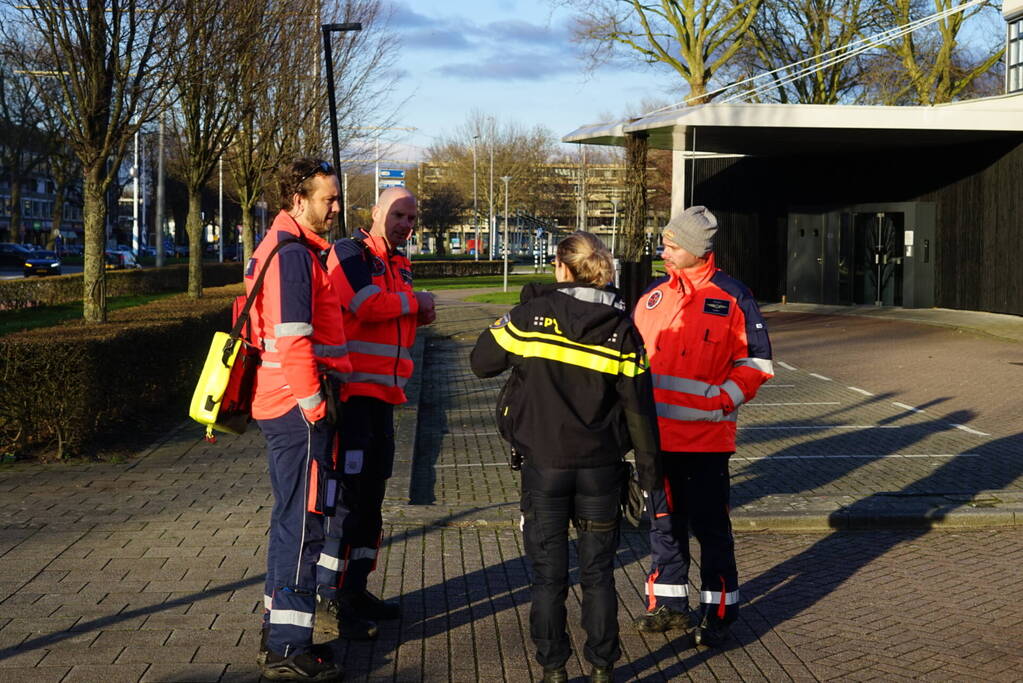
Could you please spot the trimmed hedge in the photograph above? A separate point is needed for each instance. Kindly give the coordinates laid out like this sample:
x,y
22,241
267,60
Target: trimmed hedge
x,y
63,386
46,291
425,269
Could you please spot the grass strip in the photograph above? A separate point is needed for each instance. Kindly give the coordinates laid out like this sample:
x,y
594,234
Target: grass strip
x,y
47,316
476,281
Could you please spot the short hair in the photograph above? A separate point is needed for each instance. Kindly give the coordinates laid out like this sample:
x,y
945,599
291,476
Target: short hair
x,y
586,258
296,178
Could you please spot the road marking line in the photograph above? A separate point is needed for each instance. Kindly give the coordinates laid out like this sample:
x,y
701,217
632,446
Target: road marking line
x,y
776,386
814,374
968,430
473,464
822,403
786,365
905,407
470,433
832,427
858,457
861,391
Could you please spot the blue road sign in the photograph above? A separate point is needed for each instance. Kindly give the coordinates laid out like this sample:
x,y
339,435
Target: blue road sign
x,y
392,173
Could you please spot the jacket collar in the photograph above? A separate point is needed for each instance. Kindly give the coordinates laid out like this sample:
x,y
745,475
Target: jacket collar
x,y
692,278
286,223
376,244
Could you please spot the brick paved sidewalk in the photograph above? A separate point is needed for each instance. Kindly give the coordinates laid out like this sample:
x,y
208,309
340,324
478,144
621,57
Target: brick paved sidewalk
x,y
151,570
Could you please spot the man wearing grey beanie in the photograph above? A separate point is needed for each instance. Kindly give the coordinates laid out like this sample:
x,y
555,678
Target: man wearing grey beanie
x,y
709,353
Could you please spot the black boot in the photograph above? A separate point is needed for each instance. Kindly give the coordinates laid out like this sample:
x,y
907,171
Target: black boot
x,y
602,674
368,606
335,620
558,675
664,619
314,666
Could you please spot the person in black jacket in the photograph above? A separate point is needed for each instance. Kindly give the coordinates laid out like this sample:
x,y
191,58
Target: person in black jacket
x,y
578,398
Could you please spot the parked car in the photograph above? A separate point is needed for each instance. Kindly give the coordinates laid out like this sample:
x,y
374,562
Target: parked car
x,y
117,260
42,263
13,254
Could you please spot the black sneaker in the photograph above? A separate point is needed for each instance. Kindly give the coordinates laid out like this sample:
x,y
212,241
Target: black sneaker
x,y
711,635
602,674
558,675
368,606
332,619
664,619
314,666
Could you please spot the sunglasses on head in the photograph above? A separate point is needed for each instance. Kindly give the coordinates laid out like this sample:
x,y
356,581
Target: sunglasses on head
x,y
322,167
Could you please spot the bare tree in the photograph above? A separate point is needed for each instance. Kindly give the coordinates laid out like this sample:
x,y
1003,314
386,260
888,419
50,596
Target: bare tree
x,y
105,57
695,38
440,210
937,64
24,144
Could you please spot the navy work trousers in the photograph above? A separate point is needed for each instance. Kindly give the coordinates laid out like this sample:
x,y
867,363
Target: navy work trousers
x,y
591,498
365,460
296,535
695,496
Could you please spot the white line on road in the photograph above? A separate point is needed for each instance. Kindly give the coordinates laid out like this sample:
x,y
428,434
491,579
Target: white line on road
x,y
776,386
471,433
905,407
861,391
822,403
968,430
859,457
785,365
474,464
814,374
831,427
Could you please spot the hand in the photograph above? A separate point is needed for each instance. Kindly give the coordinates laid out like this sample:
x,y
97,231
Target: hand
x,y
427,308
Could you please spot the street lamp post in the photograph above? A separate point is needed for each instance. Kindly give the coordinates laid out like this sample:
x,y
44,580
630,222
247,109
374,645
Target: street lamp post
x,y
614,224
475,213
505,179
492,221
332,99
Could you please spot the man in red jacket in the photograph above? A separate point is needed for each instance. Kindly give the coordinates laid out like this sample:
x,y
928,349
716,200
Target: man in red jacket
x,y
296,322
373,281
709,353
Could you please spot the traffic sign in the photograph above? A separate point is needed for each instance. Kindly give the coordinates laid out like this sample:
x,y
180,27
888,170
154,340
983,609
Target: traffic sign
x,y
392,182
392,173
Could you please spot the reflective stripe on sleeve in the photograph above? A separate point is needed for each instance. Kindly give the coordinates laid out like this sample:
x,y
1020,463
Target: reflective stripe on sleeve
x,y
762,364
310,402
361,296
383,380
330,351
292,330
734,393
562,350
377,349
267,602
684,385
362,554
674,412
668,590
270,364
270,345
714,597
291,617
405,305
328,561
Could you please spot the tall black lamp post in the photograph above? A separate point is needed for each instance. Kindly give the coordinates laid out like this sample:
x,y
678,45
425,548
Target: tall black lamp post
x,y
332,100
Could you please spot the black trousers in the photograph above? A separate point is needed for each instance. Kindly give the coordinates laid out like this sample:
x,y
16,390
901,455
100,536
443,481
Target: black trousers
x,y
590,498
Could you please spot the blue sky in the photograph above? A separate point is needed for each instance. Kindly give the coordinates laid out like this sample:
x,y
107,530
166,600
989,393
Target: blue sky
x,y
512,59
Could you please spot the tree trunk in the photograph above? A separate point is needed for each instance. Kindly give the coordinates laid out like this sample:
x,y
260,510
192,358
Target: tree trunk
x,y
94,295
633,226
440,246
193,226
248,231
16,222
57,220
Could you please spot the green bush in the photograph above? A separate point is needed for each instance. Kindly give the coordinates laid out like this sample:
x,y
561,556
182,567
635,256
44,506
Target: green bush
x,y
46,291
64,386
433,269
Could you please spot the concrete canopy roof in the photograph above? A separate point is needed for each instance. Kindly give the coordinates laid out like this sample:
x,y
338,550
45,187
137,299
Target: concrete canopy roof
x,y
807,129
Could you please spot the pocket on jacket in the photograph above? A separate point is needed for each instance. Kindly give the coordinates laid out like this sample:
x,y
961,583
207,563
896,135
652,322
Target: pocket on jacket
x,y
706,364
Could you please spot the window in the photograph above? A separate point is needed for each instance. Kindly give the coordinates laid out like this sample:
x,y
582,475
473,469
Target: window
x,y
1014,57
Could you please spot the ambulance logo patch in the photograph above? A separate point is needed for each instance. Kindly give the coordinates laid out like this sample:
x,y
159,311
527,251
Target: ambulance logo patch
x,y
377,267
654,299
716,306
501,322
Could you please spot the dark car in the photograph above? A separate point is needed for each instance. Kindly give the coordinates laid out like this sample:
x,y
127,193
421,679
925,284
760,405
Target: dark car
x,y
116,260
41,262
13,255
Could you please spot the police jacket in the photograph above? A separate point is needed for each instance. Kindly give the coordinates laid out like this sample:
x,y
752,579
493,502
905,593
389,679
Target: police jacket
x,y
709,353
296,322
380,315
579,394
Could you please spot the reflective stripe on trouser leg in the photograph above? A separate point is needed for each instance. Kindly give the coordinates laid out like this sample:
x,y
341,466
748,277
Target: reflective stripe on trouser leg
x,y
296,536
668,580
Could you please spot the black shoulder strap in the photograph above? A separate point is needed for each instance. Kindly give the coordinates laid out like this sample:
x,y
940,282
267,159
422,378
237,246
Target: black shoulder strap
x,y
243,317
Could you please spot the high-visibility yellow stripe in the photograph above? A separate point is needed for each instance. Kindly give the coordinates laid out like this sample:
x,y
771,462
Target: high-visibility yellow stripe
x,y
584,359
563,340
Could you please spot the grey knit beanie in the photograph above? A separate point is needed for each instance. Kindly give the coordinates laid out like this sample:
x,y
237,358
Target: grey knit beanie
x,y
693,230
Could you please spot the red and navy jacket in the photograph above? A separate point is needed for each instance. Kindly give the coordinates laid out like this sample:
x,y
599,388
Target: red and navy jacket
x,y
380,314
296,322
709,353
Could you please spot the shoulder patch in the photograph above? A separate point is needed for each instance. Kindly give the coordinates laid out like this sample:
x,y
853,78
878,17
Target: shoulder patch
x,y
406,275
250,268
716,306
377,266
654,299
501,322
